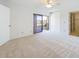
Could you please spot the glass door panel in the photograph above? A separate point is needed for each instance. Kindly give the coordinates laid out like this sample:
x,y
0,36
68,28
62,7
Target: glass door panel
x,y
39,23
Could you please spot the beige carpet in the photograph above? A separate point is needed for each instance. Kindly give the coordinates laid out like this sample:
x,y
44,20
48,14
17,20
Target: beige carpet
x,y
43,45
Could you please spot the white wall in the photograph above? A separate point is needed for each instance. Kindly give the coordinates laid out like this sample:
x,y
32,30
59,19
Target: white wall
x,y
4,24
22,19
65,7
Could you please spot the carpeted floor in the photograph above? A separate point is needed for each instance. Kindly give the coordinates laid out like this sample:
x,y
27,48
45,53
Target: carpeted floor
x,y
42,45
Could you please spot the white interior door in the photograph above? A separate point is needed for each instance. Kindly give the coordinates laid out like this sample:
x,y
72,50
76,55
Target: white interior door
x,y
4,24
55,22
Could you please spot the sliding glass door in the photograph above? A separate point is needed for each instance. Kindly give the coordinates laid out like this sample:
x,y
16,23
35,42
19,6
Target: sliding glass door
x,y
38,23
41,23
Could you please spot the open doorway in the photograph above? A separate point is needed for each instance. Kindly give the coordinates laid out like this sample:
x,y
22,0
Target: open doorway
x,y
74,23
45,23
40,23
